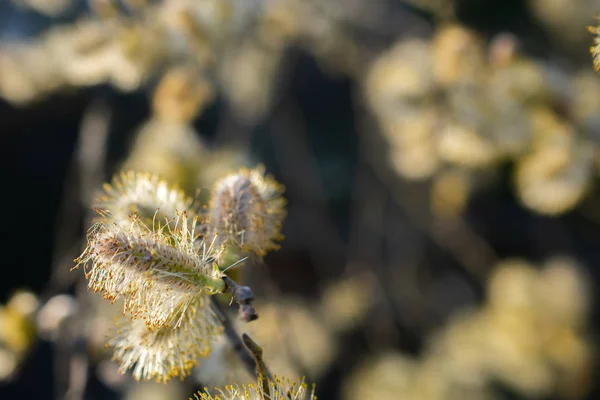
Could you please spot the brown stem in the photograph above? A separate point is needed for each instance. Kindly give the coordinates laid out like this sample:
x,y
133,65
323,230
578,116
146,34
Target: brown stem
x,y
241,351
261,368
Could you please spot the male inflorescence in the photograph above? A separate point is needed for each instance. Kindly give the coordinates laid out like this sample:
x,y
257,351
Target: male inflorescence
x,y
272,389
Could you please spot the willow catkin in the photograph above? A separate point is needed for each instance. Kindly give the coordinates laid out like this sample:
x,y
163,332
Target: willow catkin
x,y
458,56
247,209
181,95
465,146
148,196
595,49
398,78
276,389
158,272
171,350
556,176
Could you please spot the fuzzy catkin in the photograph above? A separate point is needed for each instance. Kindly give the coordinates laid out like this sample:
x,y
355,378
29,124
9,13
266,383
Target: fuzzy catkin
x,y
171,350
146,195
276,389
247,209
157,272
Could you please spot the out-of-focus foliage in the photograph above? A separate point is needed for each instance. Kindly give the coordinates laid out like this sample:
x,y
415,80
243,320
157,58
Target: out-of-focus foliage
x,y
452,109
17,331
530,335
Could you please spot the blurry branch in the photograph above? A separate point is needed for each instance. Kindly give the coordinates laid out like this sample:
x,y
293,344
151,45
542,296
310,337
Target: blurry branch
x,y
261,368
284,327
299,165
75,349
300,171
78,371
234,339
452,235
84,175
92,149
370,18
367,237
368,199
257,353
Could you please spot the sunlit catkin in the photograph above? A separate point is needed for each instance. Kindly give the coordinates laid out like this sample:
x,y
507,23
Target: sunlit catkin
x,y
595,49
556,176
276,389
146,195
458,56
157,271
181,95
171,350
247,209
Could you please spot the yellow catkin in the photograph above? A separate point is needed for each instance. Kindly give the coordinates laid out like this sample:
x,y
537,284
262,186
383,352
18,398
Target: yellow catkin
x,y
276,389
595,49
247,209
157,272
171,350
146,195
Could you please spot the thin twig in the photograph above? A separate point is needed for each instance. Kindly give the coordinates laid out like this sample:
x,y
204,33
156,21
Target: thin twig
x,y
246,349
84,176
455,236
299,168
242,353
367,239
261,368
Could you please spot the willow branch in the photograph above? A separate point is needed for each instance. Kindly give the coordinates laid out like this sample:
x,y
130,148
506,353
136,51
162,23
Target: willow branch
x,y
242,353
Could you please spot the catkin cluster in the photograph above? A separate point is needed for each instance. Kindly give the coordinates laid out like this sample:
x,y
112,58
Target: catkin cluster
x,y
454,110
531,335
159,253
235,45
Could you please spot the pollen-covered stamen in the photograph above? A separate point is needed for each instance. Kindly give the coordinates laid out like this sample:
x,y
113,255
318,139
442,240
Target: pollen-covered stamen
x,y
247,209
276,389
156,272
146,195
171,350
